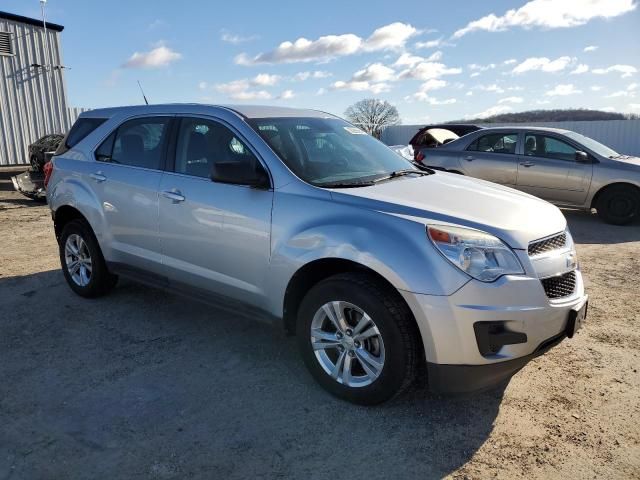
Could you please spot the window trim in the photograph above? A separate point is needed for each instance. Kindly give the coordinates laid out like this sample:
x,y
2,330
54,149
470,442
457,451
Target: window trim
x,y
173,146
163,148
505,133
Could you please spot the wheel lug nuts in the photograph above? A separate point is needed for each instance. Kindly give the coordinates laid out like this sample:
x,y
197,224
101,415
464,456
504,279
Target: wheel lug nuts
x,y
352,353
339,335
349,332
356,344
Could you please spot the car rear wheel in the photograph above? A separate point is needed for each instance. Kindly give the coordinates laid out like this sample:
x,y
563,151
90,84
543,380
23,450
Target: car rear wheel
x,y
82,262
619,205
358,338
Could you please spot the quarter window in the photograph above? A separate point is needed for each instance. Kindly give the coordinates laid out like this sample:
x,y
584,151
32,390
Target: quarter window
x,y
204,145
548,147
80,130
495,143
137,143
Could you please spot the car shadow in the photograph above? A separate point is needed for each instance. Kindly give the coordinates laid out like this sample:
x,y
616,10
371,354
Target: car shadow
x,y
153,384
588,228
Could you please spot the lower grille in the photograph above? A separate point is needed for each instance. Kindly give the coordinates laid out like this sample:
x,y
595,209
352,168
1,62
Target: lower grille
x,y
560,286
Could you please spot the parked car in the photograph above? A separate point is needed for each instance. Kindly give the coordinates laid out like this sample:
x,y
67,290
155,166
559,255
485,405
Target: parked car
x,y
31,182
561,166
382,270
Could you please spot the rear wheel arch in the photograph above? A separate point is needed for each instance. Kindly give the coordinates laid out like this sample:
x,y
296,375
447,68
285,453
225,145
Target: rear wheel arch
x,y
65,214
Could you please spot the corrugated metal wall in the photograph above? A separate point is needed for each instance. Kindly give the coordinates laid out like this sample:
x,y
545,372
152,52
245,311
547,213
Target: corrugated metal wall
x,y
33,102
621,135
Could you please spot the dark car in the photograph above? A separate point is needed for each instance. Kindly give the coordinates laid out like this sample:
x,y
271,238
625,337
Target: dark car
x,y
432,136
38,149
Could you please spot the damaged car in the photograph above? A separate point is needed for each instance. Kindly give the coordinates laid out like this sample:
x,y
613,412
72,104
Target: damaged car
x,y
31,182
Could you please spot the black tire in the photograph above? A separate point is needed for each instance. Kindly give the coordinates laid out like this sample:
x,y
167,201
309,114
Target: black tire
x,y
100,280
396,325
619,204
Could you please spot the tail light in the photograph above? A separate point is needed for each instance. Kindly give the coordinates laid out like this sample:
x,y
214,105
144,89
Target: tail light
x,y
48,170
419,157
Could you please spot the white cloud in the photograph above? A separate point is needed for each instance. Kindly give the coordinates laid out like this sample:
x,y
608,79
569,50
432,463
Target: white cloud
x,y
543,64
376,72
424,97
482,68
549,14
511,61
286,95
630,91
590,48
239,90
511,100
428,70
490,112
469,93
489,88
236,39
543,102
582,68
159,57
388,37
361,86
302,76
435,56
265,80
432,84
515,89
625,70
562,90
429,43
474,74
406,59
595,88
608,109
635,106
632,87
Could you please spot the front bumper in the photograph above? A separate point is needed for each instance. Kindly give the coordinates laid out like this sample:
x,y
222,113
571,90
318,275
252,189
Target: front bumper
x,y
519,303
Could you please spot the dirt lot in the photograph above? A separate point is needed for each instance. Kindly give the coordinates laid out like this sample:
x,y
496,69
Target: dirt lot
x,y
143,384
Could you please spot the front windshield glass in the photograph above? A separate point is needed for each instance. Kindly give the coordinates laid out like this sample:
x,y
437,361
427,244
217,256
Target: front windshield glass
x,y
326,151
592,145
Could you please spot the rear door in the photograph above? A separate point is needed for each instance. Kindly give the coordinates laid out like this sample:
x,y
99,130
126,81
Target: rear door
x,y
548,169
492,157
215,236
126,178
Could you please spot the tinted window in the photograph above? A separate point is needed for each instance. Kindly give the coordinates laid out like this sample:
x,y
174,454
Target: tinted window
x,y
204,145
138,143
495,143
80,129
548,147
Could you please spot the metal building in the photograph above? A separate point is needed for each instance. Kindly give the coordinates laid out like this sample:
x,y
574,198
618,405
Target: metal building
x,y
621,135
33,97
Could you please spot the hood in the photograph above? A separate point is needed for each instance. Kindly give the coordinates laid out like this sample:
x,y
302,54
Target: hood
x,y
515,217
626,161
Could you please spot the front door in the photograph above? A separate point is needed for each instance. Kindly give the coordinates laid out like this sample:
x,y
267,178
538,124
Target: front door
x,y
548,169
215,236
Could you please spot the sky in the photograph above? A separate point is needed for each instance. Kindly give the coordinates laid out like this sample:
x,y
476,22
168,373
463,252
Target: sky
x,y
435,61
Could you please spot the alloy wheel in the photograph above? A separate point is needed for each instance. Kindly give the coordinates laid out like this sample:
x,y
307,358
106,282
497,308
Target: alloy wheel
x,y
78,260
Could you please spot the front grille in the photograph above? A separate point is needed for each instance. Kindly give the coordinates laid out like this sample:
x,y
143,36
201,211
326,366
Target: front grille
x,y
560,286
547,244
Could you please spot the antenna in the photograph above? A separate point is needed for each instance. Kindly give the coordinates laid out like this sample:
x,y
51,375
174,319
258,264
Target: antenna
x,y
143,95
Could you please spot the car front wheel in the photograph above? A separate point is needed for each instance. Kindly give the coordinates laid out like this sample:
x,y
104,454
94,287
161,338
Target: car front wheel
x,y
358,338
619,205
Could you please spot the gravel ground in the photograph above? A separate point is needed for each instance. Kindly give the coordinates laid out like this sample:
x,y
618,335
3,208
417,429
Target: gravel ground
x,y
144,384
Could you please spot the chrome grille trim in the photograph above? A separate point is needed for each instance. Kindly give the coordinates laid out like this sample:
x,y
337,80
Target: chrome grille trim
x,y
547,244
560,285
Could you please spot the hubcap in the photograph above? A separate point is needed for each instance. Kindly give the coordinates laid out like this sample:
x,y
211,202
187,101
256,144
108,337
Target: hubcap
x,y
78,260
621,206
347,344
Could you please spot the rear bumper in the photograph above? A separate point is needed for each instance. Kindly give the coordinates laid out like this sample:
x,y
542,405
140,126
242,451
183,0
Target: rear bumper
x,y
30,184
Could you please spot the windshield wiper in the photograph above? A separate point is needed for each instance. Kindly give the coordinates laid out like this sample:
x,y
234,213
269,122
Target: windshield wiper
x,y
401,173
345,184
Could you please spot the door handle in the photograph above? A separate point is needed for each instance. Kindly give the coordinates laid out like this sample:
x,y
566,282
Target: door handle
x,y
527,164
468,158
174,196
98,177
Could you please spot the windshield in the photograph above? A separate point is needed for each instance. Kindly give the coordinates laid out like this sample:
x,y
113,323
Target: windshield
x,y
325,151
592,145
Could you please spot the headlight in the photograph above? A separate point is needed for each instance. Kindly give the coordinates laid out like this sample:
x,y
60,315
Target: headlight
x,y
476,253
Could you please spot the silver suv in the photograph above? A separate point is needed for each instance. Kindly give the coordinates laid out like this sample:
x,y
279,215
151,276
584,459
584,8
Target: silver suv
x,y
383,271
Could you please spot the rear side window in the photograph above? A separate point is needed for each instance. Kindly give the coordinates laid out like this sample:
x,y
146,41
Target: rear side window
x,y
495,143
137,143
80,129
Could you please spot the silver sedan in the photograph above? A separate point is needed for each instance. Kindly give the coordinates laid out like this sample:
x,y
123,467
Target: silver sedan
x,y
561,166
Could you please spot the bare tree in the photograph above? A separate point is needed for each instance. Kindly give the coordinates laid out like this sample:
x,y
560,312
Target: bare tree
x,y
372,115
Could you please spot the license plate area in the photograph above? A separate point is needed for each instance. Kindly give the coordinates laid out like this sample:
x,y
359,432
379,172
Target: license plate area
x,y
576,319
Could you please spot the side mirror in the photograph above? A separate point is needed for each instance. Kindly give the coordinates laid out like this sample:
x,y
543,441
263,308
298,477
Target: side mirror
x,y
582,157
240,173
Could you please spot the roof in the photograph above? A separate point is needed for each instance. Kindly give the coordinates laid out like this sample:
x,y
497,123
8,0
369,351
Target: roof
x,y
519,128
247,111
30,21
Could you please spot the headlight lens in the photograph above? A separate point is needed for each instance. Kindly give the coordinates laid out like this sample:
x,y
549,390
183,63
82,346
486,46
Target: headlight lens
x,y
476,253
